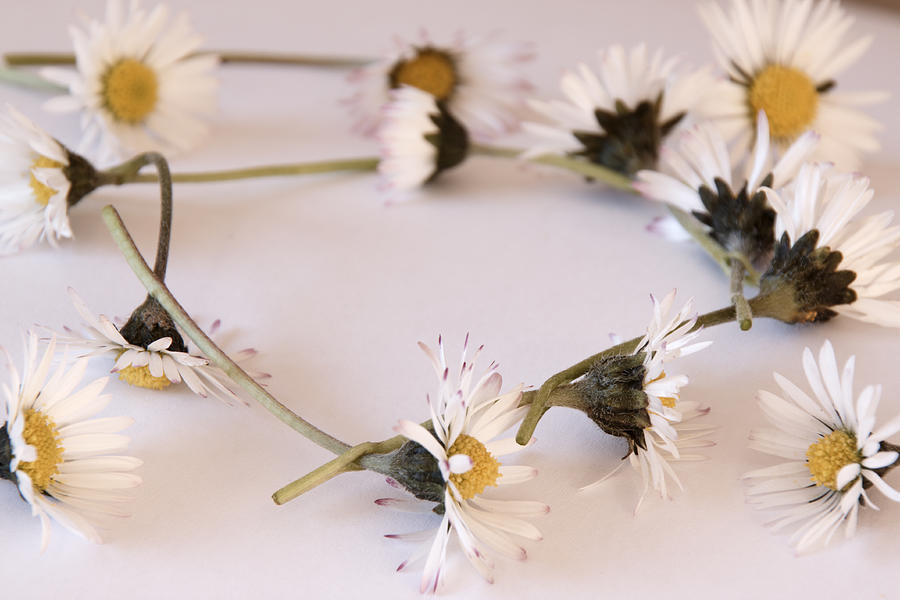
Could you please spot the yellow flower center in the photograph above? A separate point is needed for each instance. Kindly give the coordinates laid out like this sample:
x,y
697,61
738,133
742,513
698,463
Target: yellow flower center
x,y
789,98
141,377
42,193
41,433
430,70
829,455
485,469
130,90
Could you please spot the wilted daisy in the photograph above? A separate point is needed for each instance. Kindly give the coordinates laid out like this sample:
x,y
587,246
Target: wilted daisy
x,y
830,260
835,452
58,457
419,140
699,177
655,421
36,174
478,80
158,364
620,117
463,455
783,57
138,84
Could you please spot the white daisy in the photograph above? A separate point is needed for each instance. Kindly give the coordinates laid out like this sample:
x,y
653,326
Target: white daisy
x,y
698,176
783,57
620,117
419,140
34,187
466,418
138,84
478,79
155,367
835,452
830,202
59,460
668,337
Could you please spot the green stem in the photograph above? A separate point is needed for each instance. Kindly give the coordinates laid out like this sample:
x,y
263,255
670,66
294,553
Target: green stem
x,y
741,306
121,175
576,165
271,58
158,290
28,80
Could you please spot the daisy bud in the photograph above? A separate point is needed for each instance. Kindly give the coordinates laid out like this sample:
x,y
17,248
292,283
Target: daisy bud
x,y
803,282
150,322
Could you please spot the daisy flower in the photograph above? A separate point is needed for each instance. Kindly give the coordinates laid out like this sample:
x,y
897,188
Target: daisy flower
x,y
138,84
699,177
58,457
663,433
477,79
466,416
419,140
835,452
783,58
34,202
820,232
620,117
157,365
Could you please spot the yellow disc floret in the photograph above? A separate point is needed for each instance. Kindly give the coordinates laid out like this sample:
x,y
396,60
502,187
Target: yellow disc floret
x,y
430,70
42,193
789,98
485,469
141,377
829,455
130,90
41,433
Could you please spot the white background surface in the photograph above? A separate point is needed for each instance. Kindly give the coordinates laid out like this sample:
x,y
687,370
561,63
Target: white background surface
x,y
334,288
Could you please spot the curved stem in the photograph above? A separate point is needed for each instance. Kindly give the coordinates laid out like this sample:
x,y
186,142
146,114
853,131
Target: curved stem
x,y
28,80
310,168
236,57
158,290
576,165
741,306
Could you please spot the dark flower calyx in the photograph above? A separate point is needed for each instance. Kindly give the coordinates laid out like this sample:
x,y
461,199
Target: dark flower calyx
x,y
613,395
6,455
413,467
451,141
150,322
739,222
83,177
631,137
803,282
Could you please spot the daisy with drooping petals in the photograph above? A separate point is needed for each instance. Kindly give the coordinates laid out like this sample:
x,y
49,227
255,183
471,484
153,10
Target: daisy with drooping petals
x,y
34,203
138,84
699,177
59,459
466,416
419,140
660,436
835,451
619,118
157,365
783,58
819,211
477,79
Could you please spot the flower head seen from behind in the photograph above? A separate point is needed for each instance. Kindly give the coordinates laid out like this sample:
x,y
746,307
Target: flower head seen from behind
x,y
835,452
655,421
138,84
620,117
477,79
698,177
783,57
35,173
419,140
58,456
828,260
463,461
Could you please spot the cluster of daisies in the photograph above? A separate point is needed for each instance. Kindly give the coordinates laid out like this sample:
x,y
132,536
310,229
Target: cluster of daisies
x,y
737,155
